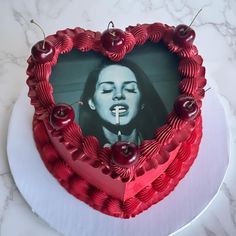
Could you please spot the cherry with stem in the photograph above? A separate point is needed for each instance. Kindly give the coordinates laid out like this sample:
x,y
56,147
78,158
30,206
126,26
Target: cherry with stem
x,y
113,39
44,37
192,21
184,35
43,51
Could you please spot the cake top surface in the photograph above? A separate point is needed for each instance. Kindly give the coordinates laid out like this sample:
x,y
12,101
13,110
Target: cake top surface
x,y
119,47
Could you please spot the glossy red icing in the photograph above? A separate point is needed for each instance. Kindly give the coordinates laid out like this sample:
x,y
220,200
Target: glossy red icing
x,y
139,32
62,171
73,135
188,67
62,42
161,185
84,42
43,71
83,167
188,52
156,32
129,42
45,97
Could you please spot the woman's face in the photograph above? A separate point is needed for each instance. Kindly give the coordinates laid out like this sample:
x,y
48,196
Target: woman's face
x,y
116,88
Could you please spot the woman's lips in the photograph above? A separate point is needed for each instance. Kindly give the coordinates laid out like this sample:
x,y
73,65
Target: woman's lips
x,y
123,109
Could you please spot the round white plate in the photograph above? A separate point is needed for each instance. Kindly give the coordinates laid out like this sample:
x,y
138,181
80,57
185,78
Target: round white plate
x,y
72,217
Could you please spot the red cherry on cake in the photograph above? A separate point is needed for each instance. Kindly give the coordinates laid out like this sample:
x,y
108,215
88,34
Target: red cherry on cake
x,y
124,153
186,108
184,35
113,39
61,115
43,51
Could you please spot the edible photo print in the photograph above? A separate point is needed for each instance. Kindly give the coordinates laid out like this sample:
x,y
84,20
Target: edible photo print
x,y
126,100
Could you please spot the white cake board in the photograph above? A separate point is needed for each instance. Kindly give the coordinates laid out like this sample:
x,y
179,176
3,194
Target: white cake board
x,y
72,217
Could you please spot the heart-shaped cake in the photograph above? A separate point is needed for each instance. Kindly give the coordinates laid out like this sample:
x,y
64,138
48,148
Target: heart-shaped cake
x,y
117,147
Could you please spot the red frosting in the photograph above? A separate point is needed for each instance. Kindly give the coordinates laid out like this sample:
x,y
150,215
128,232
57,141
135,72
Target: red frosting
x,y
139,32
62,42
130,41
83,42
83,167
43,71
188,52
156,32
149,148
73,135
188,67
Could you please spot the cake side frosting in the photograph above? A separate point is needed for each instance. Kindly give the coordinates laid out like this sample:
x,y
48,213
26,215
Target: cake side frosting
x,y
152,193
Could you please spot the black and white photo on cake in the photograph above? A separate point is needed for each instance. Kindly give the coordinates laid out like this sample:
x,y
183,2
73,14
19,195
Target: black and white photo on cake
x,y
125,100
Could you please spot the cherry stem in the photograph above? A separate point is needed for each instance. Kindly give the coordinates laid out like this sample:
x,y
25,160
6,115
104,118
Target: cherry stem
x,y
61,112
113,33
79,102
125,150
192,21
110,23
208,89
189,105
44,37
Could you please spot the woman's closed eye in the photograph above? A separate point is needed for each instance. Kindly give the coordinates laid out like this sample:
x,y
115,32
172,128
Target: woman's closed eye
x,y
132,90
107,90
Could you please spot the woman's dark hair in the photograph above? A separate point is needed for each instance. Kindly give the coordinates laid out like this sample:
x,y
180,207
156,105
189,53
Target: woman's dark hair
x,y
152,116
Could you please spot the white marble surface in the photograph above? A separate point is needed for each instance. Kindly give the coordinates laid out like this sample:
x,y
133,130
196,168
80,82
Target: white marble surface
x,y
216,41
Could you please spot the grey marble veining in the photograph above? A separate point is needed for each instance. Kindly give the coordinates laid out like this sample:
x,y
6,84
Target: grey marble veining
x,y
216,40
7,187
231,201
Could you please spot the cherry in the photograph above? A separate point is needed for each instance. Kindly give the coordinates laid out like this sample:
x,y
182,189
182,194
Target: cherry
x,y
113,39
184,35
186,107
124,153
43,51
61,115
